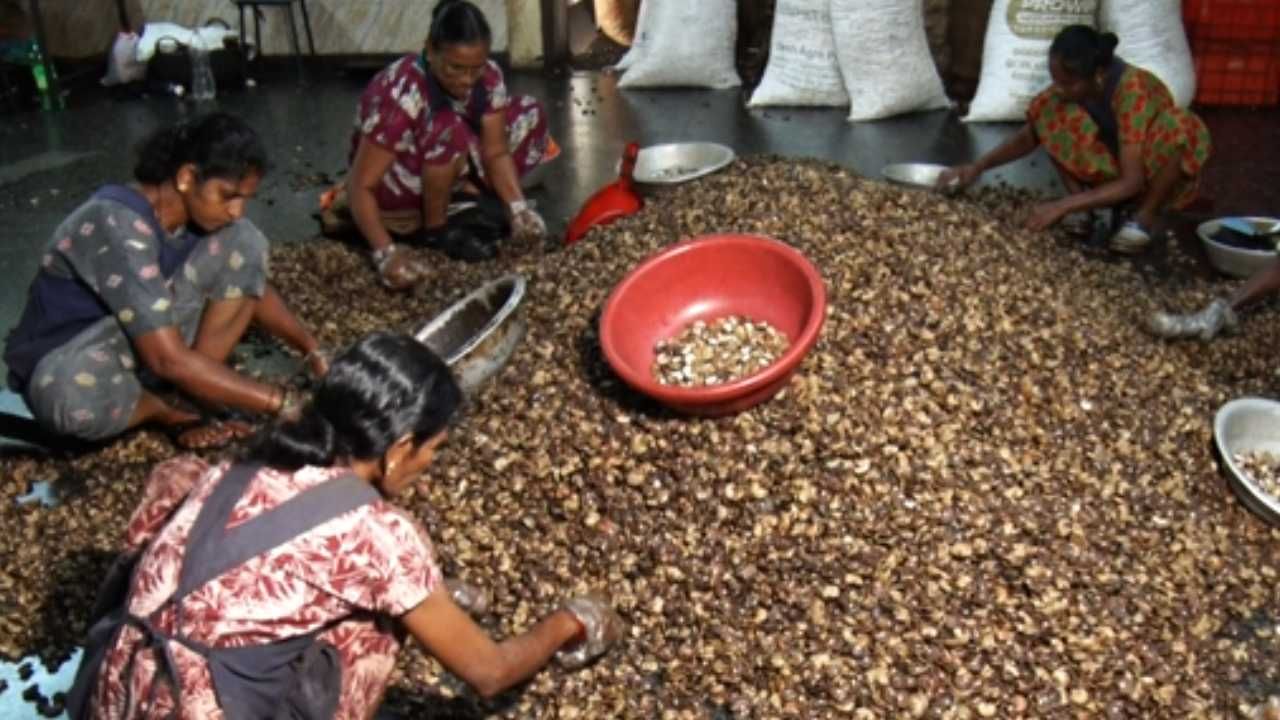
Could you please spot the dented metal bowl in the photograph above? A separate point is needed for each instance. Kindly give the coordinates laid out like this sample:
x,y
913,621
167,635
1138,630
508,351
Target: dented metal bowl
x,y
675,163
1244,425
477,335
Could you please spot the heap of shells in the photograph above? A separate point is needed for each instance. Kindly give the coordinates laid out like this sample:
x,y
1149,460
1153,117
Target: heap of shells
x,y
720,351
985,492
1264,469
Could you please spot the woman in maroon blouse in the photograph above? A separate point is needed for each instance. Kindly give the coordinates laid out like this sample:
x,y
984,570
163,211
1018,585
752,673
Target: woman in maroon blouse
x,y
429,126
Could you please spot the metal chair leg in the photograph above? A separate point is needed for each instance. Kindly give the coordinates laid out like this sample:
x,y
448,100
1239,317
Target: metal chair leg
x,y
306,24
244,45
257,30
294,41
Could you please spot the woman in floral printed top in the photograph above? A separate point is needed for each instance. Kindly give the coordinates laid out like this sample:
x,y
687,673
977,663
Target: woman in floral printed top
x,y
428,126
367,575
1114,134
151,284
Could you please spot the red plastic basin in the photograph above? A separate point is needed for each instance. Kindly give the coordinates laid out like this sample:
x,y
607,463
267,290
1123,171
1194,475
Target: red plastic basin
x,y
704,279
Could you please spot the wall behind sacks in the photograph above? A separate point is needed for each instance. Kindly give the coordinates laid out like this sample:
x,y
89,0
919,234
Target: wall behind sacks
x,y
80,29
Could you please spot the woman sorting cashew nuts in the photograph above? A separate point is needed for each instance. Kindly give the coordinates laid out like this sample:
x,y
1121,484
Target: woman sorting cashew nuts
x,y
439,152
295,569
145,289
1114,135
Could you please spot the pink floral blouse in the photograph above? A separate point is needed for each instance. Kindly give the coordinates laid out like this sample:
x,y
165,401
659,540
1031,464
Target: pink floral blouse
x,y
404,110
375,558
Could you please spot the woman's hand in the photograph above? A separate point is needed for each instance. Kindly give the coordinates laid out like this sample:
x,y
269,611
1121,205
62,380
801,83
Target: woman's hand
x,y
601,628
1043,215
317,362
464,649
958,177
467,596
397,268
527,226
286,403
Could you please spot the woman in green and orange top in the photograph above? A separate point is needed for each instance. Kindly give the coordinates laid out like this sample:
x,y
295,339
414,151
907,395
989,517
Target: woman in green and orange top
x,y
1113,132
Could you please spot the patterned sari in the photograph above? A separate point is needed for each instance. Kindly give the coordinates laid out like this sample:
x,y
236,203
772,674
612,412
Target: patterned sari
x,y
1144,114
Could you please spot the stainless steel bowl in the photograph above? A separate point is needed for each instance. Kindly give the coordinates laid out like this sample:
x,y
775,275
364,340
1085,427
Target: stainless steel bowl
x,y
477,335
675,163
1249,424
1234,261
921,175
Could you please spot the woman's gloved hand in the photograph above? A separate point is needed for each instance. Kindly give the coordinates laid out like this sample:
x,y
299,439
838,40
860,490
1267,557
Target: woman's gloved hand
x,y
467,596
527,226
601,627
397,268
1216,317
957,177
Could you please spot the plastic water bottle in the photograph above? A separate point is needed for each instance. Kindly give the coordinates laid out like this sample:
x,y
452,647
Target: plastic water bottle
x,y
42,72
203,86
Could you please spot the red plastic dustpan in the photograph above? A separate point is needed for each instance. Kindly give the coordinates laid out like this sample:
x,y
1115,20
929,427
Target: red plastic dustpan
x,y
610,202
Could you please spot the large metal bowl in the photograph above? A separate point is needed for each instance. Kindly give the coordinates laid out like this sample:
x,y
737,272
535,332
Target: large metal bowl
x,y
1249,424
674,163
1234,261
921,175
477,335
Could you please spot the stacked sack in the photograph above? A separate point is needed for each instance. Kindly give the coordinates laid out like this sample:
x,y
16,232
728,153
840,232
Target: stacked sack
x,y
871,55
682,44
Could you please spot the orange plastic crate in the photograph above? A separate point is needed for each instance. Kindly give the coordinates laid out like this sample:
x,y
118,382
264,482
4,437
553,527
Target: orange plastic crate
x,y
1233,19
1233,72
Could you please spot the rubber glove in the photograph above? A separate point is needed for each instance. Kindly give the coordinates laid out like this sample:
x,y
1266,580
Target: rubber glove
x,y
602,628
467,596
527,226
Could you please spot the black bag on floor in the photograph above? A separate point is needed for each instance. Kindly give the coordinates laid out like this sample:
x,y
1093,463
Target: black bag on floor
x,y
484,216
298,678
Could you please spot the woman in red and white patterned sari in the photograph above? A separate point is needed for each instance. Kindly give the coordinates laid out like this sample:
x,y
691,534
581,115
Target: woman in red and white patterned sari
x,y
380,413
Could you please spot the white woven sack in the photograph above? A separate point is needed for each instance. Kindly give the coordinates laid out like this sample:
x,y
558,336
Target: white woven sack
x,y
802,67
884,58
690,43
1152,37
640,40
1015,56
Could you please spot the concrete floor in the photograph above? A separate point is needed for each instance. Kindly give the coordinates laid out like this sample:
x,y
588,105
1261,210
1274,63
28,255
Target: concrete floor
x,y
50,162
